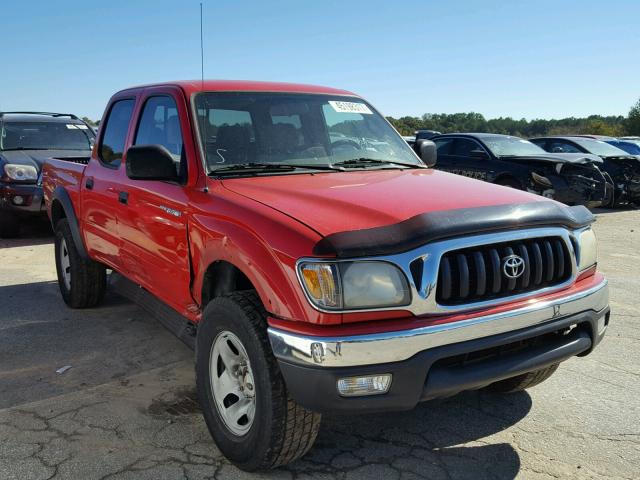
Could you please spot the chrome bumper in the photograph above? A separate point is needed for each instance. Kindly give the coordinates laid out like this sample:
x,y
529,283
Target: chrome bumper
x,y
401,345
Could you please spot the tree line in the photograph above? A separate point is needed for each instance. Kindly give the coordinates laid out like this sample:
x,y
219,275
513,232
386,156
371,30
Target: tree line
x,y
614,126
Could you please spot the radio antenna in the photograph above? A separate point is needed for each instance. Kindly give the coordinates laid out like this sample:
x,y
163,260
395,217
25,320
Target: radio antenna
x,y
205,120
201,49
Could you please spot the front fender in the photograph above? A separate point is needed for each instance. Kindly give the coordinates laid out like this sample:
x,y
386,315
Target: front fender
x,y
268,268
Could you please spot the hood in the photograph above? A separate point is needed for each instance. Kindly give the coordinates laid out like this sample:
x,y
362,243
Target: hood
x,y
344,201
559,157
635,158
36,158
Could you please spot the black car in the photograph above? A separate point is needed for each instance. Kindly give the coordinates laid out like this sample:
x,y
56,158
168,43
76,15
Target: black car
x,y
26,140
514,162
623,168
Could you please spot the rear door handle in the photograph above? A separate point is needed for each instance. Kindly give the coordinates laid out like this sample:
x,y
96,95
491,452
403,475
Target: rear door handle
x,y
89,183
123,197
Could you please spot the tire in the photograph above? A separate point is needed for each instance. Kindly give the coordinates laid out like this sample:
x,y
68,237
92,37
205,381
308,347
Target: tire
x,y
82,282
509,182
9,225
524,381
277,431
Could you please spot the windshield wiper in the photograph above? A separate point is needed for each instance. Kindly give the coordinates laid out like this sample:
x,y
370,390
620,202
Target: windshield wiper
x,y
365,162
268,167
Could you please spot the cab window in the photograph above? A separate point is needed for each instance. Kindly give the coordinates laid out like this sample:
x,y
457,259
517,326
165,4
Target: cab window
x,y
115,132
160,125
443,145
463,147
562,147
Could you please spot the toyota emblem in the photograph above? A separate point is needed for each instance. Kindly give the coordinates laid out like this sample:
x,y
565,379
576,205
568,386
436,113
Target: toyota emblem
x,y
513,266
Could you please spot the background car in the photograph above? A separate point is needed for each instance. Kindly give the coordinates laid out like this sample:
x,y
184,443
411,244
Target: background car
x,y
623,168
26,140
629,146
518,163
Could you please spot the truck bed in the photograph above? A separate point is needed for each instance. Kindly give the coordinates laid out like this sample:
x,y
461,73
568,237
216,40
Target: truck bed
x,y
65,172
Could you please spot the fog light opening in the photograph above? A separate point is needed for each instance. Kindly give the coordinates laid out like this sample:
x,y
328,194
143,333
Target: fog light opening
x,y
365,385
18,200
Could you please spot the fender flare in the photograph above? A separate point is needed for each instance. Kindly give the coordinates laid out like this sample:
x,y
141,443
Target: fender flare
x,y
61,195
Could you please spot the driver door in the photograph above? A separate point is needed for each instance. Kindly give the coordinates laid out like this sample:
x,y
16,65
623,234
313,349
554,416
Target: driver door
x,y
153,223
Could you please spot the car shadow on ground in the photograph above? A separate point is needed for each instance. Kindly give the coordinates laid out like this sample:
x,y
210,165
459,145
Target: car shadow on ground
x,y
425,441
36,231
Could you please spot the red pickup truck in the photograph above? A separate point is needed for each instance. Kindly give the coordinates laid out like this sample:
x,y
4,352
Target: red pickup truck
x,y
313,261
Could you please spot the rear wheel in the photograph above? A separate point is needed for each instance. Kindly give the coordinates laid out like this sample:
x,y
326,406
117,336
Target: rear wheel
x,y
524,381
9,225
244,399
82,281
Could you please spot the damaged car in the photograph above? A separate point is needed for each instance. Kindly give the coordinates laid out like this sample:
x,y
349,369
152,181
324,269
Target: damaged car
x,y
620,166
573,179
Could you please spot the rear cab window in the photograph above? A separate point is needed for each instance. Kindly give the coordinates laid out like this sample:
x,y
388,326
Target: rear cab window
x,y
115,132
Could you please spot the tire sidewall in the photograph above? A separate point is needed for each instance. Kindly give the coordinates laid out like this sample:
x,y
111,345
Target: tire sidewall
x,y
60,234
248,450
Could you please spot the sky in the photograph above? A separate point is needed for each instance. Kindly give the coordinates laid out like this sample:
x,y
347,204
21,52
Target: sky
x,y
534,59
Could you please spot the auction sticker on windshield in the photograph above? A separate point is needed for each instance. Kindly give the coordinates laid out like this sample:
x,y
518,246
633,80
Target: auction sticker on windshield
x,y
349,107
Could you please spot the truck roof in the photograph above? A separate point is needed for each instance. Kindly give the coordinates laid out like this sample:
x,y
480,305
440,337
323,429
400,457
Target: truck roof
x,y
195,86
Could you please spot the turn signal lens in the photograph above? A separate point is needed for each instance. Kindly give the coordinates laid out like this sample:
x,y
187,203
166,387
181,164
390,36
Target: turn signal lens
x,y
587,249
322,284
369,385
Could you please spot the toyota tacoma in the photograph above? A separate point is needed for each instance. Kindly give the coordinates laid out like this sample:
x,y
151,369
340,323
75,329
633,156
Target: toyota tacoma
x,y
314,262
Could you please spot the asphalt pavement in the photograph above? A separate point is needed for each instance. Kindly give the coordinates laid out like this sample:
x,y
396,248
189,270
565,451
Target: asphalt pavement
x,y
126,408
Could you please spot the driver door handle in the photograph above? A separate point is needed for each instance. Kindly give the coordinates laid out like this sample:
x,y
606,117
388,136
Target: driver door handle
x,y
123,197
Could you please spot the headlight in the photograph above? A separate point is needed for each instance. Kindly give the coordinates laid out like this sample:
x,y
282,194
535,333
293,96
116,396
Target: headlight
x,y
587,249
20,172
354,285
541,180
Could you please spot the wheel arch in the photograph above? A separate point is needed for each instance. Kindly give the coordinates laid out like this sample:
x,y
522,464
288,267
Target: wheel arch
x,y
221,278
62,207
232,259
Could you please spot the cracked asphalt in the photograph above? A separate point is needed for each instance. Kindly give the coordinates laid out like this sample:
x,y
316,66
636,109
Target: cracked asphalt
x,y
126,409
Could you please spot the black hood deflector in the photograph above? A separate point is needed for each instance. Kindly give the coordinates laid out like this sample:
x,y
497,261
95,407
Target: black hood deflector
x,y
432,226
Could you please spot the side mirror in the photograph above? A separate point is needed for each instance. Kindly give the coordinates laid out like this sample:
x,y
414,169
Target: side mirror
x,y
478,153
428,152
150,162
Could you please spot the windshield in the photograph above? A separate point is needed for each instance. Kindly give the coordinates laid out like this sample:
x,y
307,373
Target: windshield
x,y
629,147
503,146
45,136
294,129
599,148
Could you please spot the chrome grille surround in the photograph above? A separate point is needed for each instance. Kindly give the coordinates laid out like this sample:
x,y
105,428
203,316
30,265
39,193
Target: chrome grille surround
x,y
423,281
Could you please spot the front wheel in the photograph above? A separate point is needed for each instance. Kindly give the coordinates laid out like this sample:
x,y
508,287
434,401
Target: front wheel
x,y
82,281
244,399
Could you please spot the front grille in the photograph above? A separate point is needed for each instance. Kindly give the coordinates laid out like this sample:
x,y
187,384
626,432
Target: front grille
x,y
476,274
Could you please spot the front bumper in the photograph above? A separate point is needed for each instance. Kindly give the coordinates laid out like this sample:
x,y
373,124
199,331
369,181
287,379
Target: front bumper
x,y
588,188
425,362
21,199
